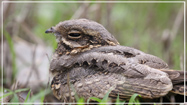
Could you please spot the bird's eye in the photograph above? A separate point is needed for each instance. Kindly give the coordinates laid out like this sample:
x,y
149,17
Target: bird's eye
x,y
74,35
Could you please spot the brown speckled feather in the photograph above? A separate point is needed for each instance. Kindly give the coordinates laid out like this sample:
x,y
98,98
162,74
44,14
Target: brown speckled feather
x,y
89,62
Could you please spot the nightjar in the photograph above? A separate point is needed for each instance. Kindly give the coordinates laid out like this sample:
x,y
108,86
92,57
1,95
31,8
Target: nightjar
x,y
89,62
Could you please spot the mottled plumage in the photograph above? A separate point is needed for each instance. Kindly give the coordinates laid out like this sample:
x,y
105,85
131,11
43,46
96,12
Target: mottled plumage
x,y
90,62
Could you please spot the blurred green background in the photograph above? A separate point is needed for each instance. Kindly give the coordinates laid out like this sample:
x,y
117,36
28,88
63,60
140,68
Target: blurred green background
x,y
154,28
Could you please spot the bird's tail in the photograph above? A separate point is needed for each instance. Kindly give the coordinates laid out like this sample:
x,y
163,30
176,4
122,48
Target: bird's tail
x,y
178,79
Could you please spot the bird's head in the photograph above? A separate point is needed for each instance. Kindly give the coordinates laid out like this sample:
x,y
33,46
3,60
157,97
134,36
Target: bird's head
x,y
80,34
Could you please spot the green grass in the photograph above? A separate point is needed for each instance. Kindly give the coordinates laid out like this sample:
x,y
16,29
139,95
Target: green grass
x,y
133,100
10,92
101,101
12,52
39,96
118,102
26,99
80,101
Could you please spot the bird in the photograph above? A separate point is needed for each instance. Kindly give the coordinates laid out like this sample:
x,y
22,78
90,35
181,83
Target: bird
x,y
90,62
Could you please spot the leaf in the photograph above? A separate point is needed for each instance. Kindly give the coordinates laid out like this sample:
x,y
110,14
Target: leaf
x,y
8,90
12,51
105,99
39,95
132,99
80,101
11,92
94,98
7,94
27,96
118,102
15,98
20,90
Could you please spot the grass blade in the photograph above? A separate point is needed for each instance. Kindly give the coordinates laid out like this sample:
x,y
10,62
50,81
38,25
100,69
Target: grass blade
x,y
7,90
39,95
12,51
27,96
20,90
80,101
104,100
95,99
15,98
132,99
7,94
118,102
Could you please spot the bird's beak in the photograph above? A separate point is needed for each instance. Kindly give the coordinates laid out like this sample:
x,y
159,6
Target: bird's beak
x,y
50,30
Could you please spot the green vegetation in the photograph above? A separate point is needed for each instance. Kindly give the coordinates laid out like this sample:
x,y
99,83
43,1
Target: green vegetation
x,y
80,101
13,55
14,94
104,100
